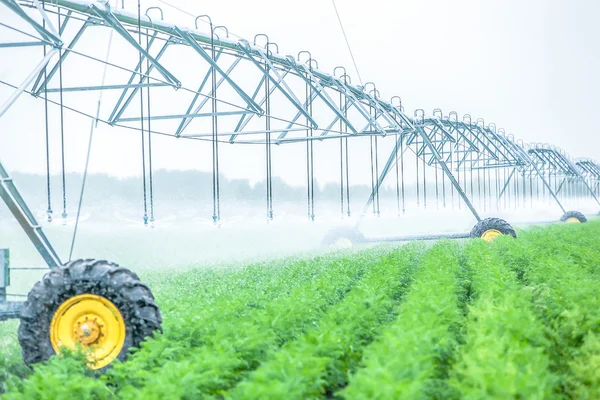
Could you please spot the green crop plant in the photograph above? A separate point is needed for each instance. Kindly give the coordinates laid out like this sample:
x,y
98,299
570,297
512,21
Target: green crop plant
x,y
237,342
54,379
319,361
410,359
209,297
565,296
511,319
502,331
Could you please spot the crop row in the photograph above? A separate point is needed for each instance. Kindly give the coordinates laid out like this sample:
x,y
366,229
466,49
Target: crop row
x,y
504,350
235,343
564,281
195,305
319,361
511,319
410,358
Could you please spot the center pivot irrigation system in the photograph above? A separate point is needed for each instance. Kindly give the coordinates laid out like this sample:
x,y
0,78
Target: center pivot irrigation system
x,y
167,80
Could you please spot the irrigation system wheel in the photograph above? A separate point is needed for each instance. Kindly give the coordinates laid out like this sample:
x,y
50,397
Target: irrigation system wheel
x,y
573,217
343,237
92,303
490,228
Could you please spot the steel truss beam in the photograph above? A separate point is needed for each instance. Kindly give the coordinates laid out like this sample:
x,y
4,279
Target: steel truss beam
x,y
447,144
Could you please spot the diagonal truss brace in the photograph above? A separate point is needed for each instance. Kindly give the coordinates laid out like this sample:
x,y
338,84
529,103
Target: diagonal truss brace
x,y
320,91
279,83
111,20
37,87
118,112
49,36
358,105
245,119
189,39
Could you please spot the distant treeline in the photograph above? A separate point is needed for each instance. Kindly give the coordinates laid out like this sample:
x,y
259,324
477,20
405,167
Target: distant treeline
x,y
177,187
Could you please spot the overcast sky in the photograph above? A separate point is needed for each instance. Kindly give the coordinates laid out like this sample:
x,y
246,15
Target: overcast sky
x,y
529,66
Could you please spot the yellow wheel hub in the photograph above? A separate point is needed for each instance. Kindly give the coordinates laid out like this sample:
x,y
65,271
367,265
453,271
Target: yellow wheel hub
x,y
92,322
572,220
490,235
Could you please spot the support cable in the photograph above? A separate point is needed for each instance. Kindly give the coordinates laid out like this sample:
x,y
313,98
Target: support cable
x,y
531,190
471,167
372,170
525,184
397,176
497,192
48,185
308,131
347,180
417,165
464,165
347,156
62,129
456,152
402,188
150,170
504,195
424,177
437,190
268,145
377,174
94,124
215,131
312,163
444,203
452,170
341,164
515,185
347,42
489,186
479,186
142,116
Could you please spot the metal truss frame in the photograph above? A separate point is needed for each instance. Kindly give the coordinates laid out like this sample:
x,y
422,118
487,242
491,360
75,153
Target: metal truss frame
x,y
286,96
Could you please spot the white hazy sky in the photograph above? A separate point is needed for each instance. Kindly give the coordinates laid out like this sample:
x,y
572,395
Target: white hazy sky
x,y
529,66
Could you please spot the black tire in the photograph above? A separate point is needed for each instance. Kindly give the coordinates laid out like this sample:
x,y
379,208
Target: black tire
x,y
492,223
351,234
573,214
119,285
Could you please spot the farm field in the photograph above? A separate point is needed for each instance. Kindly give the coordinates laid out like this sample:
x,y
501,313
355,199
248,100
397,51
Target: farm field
x,y
463,319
